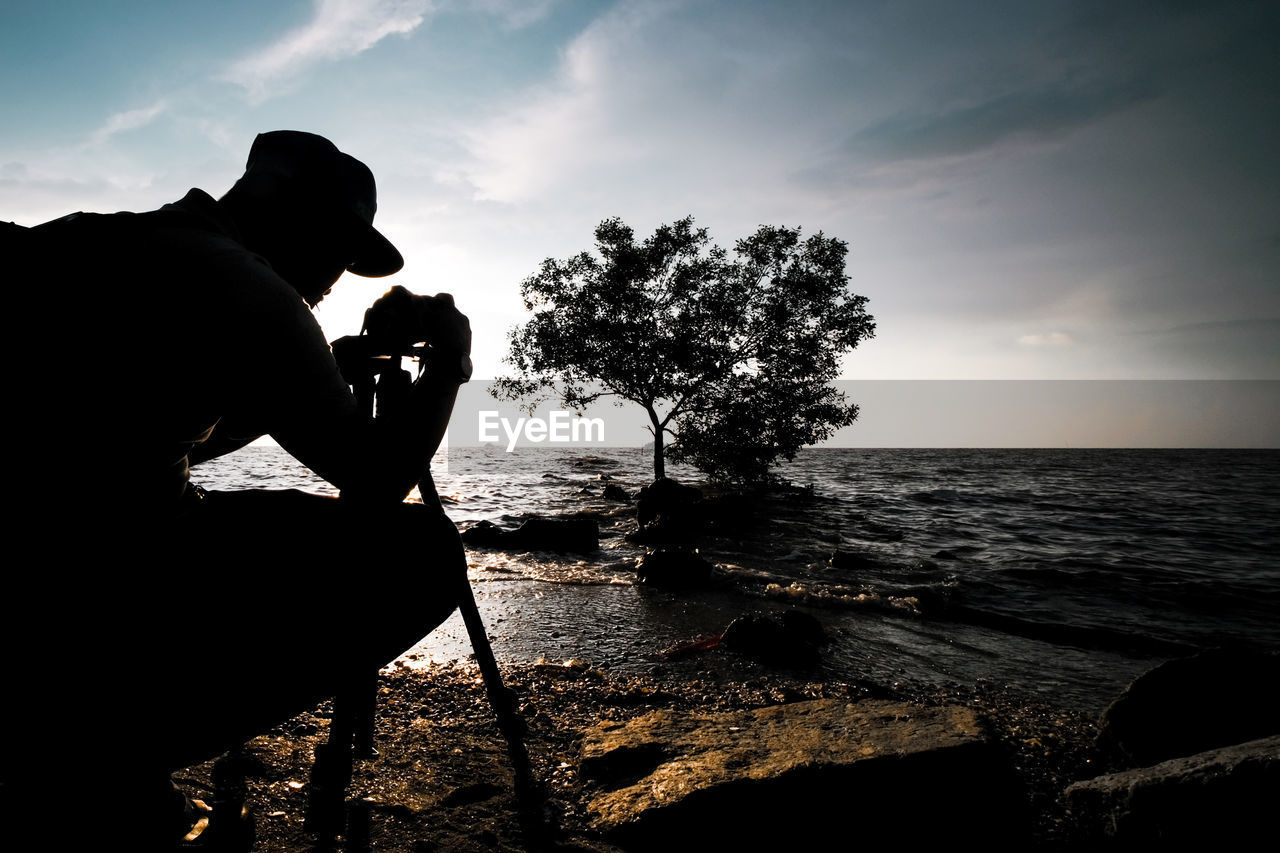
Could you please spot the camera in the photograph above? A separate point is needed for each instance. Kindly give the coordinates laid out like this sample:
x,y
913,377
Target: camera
x,y
394,327
396,324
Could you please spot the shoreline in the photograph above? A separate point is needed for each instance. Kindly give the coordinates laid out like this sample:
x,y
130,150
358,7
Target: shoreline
x,y
942,566
442,780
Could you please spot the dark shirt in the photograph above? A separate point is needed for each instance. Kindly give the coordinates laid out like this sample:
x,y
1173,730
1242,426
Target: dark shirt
x,y
144,331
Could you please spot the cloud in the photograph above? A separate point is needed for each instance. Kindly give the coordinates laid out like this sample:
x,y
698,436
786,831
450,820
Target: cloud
x,y
1230,349
339,29
127,120
651,104
570,126
1047,339
1041,114
1241,326
515,14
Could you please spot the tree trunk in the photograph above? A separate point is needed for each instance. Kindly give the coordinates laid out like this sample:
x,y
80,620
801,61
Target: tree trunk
x,y
659,464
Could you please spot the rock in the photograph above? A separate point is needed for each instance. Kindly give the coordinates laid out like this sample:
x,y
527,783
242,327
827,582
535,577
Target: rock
x,y
538,533
484,534
664,496
801,774
559,534
304,727
668,530
614,492
594,462
791,637
804,627
1221,799
1189,705
927,600
673,569
668,512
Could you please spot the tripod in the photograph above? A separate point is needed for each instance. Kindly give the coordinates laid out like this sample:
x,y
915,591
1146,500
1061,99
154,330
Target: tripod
x,y
377,378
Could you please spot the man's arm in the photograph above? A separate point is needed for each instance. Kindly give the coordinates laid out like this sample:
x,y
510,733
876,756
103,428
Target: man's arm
x,y
314,416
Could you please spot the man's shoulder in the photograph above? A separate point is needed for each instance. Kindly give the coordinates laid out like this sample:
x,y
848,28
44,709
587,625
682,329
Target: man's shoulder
x,y
203,246
183,262
187,236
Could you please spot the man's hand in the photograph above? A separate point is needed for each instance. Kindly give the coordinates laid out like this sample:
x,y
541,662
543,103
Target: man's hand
x,y
399,319
384,458
447,329
353,354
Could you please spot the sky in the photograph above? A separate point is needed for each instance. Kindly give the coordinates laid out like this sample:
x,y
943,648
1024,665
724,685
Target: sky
x,y
1045,190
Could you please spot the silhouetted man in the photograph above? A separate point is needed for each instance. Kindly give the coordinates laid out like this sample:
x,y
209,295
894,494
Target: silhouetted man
x,y
148,627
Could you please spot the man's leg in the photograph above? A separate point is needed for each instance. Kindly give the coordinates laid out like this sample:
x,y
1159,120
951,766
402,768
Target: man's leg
x,y
251,611
312,590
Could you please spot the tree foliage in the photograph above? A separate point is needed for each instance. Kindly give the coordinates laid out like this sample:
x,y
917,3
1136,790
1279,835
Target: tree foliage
x,y
730,356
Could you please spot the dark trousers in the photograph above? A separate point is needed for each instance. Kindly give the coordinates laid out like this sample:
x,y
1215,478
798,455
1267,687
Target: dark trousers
x,y
132,651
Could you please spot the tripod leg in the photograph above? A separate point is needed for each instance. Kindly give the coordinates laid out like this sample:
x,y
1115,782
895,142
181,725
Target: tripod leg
x,y
326,806
364,695
331,773
529,795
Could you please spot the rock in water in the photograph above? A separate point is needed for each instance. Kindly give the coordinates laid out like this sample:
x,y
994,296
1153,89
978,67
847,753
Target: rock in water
x,y
614,492
669,529
538,533
1193,704
664,497
1222,799
484,534
559,534
792,637
673,569
667,512
800,775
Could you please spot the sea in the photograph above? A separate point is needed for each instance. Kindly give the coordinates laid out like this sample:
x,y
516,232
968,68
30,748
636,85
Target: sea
x,y
1057,574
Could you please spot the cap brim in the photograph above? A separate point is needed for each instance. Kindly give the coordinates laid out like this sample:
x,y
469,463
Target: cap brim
x,y
375,256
